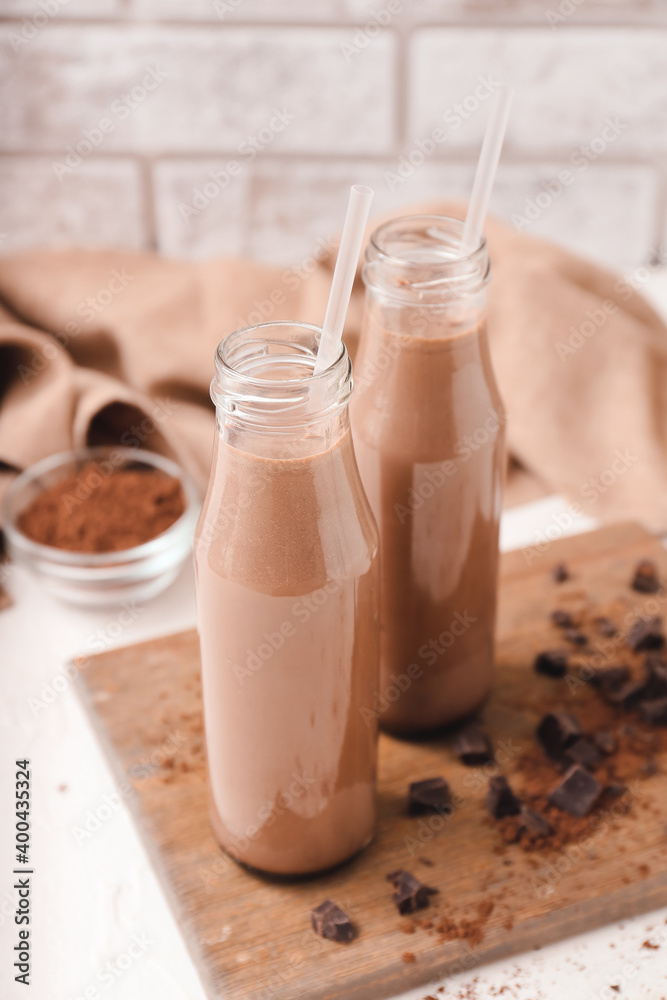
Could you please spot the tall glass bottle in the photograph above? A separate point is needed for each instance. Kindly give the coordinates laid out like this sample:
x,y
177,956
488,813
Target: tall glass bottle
x,y
286,557
428,428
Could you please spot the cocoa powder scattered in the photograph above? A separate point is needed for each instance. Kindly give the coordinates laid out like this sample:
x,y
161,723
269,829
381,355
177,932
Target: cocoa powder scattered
x,y
631,760
94,512
445,928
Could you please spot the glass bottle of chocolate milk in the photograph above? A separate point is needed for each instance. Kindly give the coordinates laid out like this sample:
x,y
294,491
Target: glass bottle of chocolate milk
x,y
287,564
428,429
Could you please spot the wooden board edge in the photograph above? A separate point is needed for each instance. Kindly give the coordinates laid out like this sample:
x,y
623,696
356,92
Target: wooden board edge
x,y
618,536
83,661
513,564
154,858
643,897
572,921
399,976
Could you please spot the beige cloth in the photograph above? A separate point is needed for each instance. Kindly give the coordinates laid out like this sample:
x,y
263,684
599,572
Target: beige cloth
x,y
108,346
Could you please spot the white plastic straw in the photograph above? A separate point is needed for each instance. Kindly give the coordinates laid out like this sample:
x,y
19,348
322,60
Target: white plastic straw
x,y
486,171
343,279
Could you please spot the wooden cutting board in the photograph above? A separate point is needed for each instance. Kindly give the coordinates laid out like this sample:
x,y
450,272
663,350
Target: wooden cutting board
x,y
251,937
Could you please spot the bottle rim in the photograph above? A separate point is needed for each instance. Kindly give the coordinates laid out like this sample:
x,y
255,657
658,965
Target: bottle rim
x,y
416,258
244,384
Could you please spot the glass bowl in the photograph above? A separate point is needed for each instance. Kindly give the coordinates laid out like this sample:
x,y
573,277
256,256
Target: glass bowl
x,y
98,579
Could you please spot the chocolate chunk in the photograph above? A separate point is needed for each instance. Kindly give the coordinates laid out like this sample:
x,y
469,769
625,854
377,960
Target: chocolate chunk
x,y
560,573
574,636
652,686
577,793
535,823
556,732
628,696
646,633
563,619
411,894
473,747
583,752
639,738
552,662
654,713
646,579
431,795
329,921
606,627
605,742
500,799
615,790
655,677
649,767
610,678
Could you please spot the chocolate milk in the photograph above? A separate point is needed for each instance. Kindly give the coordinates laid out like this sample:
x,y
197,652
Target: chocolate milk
x,y
288,594
428,430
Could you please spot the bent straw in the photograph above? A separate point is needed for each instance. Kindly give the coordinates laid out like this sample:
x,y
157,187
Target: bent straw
x,y
486,171
343,279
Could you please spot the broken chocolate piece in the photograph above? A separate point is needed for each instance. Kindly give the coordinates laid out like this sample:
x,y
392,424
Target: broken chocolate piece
x,y
574,636
654,713
411,894
628,696
473,747
430,795
605,742
583,752
655,677
639,738
560,573
500,799
652,686
646,579
649,767
556,732
563,619
606,627
610,678
552,662
577,793
646,633
535,823
329,921
615,790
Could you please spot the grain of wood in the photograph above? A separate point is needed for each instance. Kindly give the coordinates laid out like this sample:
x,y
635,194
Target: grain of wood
x,y
251,936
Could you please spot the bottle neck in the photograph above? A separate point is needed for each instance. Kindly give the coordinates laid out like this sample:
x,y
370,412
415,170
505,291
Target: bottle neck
x,y
419,286
268,400
416,263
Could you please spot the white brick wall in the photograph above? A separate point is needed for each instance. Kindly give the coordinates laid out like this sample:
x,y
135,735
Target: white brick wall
x,y
216,224
568,82
101,204
212,88
358,100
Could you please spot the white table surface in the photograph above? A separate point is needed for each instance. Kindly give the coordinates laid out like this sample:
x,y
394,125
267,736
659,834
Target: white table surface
x,y
101,926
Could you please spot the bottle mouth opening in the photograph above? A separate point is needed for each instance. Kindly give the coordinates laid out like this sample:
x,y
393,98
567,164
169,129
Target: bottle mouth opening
x,y
274,354
418,240
268,370
419,257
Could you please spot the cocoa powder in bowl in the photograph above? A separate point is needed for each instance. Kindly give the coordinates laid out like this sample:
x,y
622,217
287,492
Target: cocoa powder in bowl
x,y
99,511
